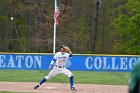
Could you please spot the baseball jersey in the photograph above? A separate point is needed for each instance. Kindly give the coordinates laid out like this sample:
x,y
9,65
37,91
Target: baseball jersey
x,y
60,59
134,84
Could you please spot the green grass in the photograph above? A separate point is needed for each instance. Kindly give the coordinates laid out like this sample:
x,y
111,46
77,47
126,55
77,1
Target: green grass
x,y
88,77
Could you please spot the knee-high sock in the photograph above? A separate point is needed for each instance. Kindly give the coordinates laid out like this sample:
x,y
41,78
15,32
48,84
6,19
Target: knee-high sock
x,y
71,81
42,81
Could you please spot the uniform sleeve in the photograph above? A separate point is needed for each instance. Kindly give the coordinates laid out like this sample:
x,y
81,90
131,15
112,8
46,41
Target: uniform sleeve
x,y
54,59
70,55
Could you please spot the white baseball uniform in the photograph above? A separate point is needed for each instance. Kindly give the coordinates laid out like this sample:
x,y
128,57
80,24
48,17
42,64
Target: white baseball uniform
x,y
60,60
59,66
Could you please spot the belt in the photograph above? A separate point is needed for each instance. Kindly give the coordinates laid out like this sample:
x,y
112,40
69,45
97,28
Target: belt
x,y
59,66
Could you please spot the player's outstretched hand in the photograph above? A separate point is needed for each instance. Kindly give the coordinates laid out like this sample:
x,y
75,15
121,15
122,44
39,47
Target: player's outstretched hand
x,y
50,67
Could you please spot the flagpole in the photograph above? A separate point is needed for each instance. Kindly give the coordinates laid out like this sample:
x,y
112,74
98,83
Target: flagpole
x,y
54,37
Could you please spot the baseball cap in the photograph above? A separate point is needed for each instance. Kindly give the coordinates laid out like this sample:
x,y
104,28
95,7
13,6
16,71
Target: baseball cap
x,y
63,46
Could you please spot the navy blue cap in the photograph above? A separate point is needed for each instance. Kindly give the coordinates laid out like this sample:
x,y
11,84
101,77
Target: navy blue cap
x,y
63,46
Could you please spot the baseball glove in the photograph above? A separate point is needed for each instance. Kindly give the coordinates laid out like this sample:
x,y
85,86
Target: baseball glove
x,y
67,49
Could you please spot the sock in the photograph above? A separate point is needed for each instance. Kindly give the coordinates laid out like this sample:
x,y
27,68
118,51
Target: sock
x,y
42,81
71,81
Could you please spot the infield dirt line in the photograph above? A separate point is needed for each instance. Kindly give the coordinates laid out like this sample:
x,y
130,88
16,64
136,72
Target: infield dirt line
x,y
61,88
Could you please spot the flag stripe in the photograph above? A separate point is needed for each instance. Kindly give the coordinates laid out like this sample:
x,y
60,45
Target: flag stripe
x,y
56,15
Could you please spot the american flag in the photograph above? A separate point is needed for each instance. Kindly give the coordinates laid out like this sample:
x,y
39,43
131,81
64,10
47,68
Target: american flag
x,y
56,15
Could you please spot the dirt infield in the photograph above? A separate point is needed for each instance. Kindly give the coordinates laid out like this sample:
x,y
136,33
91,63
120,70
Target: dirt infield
x,y
61,88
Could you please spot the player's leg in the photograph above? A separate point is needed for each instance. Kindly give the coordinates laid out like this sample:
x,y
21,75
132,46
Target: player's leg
x,y
51,74
70,75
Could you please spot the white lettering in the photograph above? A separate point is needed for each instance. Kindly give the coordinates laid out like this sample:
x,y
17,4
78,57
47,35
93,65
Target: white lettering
x,y
132,62
37,61
89,59
2,57
113,63
123,63
19,59
28,61
105,63
98,63
11,62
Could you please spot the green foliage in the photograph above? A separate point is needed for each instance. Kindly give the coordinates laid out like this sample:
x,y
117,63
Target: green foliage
x,y
128,24
82,35
32,27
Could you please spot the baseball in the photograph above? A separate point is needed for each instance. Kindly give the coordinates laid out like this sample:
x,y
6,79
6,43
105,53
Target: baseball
x,y
12,18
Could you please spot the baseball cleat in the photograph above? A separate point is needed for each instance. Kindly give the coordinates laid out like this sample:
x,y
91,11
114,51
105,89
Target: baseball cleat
x,y
36,86
72,88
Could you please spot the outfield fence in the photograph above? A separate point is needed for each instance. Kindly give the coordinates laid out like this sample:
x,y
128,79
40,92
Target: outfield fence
x,y
84,62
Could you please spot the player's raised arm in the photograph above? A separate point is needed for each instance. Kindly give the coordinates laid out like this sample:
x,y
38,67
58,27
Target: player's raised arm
x,y
68,51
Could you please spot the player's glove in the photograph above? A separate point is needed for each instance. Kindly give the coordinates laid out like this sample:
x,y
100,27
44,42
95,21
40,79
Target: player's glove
x,y
67,49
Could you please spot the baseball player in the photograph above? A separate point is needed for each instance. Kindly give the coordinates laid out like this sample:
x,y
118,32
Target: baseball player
x,y
59,66
134,82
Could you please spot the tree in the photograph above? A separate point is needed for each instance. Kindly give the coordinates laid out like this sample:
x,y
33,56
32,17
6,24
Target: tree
x,y
127,25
